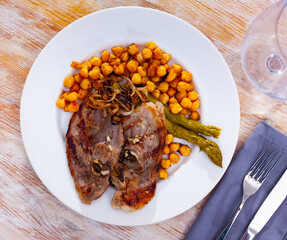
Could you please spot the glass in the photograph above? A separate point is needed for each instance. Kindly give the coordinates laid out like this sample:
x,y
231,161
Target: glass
x,y
263,52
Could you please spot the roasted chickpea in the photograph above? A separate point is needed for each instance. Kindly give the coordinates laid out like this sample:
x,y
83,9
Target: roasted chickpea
x,y
85,84
132,66
174,158
184,150
171,92
142,71
157,53
151,70
166,150
136,79
105,56
192,96
151,45
182,86
156,93
175,108
133,49
144,80
150,86
87,65
61,103
72,97
163,97
165,163
171,75
82,93
69,81
174,147
107,69
169,139
177,68
119,70
73,107
174,83
186,103
95,73
184,111
161,71
155,79
77,78
96,61
117,51
146,53
180,95
162,173
163,87
84,72
125,56
165,58
186,76
172,100
75,88
76,65
195,105
139,57
194,116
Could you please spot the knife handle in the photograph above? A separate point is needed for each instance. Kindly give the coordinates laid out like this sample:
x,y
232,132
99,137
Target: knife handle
x,y
247,235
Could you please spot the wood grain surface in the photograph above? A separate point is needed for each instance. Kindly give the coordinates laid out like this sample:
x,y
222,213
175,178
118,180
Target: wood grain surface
x,y
27,209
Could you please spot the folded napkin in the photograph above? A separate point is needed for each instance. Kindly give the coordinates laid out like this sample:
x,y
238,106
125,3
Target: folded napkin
x,y
227,194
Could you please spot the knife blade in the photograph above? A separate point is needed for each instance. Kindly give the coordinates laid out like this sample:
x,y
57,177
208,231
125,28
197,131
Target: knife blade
x,y
269,206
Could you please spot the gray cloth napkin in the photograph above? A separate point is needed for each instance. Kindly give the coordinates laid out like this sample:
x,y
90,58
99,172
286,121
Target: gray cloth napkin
x,y
227,194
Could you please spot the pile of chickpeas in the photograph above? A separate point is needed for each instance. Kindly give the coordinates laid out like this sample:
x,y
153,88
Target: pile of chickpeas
x,y
171,85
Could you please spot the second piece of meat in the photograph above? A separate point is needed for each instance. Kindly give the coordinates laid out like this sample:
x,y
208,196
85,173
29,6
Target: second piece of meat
x,y
135,175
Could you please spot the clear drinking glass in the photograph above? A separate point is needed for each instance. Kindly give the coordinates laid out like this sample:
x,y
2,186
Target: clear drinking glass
x,y
263,52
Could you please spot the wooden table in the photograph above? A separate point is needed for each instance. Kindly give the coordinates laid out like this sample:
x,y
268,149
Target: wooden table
x,y
27,209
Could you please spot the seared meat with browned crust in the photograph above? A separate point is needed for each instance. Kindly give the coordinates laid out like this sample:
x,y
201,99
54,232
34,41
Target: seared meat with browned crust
x,y
135,175
92,151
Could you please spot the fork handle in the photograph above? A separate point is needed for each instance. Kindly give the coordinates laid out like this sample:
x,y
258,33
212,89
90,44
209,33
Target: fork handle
x,y
225,231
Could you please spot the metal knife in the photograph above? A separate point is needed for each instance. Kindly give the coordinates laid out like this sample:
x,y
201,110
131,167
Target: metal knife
x,y
269,206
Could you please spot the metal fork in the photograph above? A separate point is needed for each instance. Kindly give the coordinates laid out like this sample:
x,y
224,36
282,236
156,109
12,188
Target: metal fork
x,y
253,180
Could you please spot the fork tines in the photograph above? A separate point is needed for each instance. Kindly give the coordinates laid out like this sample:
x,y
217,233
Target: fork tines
x,y
265,163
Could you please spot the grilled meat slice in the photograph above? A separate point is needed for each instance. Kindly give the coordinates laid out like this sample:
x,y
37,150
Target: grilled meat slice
x,y
92,151
135,175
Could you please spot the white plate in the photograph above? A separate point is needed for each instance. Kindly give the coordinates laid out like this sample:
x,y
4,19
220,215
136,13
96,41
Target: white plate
x,y
44,126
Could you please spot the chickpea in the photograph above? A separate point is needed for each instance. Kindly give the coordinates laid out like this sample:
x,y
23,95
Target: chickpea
x,y
107,69
114,61
95,73
171,75
144,80
169,139
173,100
77,78
162,173
86,84
136,79
184,111
177,68
132,66
119,70
174,83
163,97
156,93
161,71
150,86
142,71
166,149
155,79
151,45
69,81
192,96
165,163
182,86
165,58
174,158
155,61
76,65
66,107
163,87
184,150
157,53
84,72
190,87
167,67
105,56
72,97
171,92
82,93
73,107
139,57
65,94
186,76
96,61
125,56
133,49
75,88
194,116
180,95
175,108
61,103
87,65
195,105
145,65
117,51
151,70
186,103
173,147
146,53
